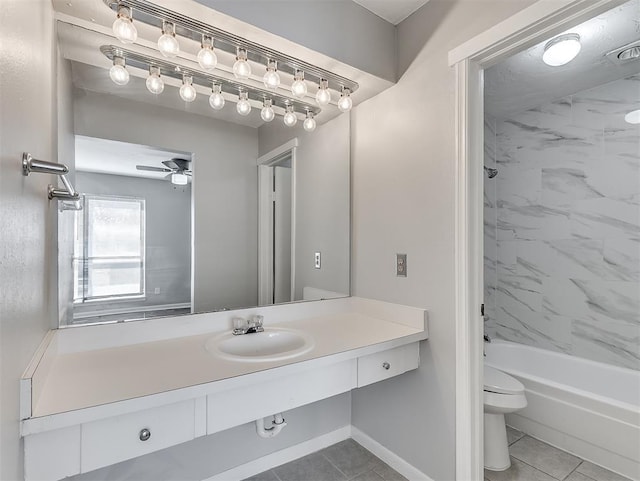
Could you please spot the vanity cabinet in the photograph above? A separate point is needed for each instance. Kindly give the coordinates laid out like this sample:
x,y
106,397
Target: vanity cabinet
x,y
76,422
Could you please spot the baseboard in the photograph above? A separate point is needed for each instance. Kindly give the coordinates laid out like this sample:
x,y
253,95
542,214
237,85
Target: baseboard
x,y
392,459
283,456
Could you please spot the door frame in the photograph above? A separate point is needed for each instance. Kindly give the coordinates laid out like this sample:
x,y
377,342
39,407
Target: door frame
x,y
265,219
528,27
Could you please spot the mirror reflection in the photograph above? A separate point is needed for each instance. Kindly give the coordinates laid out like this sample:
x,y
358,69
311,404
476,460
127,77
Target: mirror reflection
x,y
186,209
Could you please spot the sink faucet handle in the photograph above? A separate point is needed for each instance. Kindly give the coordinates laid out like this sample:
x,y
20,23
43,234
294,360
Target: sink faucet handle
x,y
258,320
239,323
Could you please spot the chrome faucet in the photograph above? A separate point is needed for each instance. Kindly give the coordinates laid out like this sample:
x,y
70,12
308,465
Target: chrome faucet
x,y
247,326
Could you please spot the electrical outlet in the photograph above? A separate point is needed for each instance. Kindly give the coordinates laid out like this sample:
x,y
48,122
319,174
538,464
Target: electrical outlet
x,y
401,265
317,260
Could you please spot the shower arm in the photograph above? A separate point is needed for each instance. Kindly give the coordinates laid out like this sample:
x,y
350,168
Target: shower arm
x,y
29,164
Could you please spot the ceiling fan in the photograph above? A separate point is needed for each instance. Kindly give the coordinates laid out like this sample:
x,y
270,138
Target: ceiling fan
x,y
177,170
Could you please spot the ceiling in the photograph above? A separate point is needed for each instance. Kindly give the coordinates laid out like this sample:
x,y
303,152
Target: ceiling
x,y
393,11
120,158
524,81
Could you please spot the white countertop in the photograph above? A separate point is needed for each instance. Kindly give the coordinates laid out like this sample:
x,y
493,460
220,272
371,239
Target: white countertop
x,y
77,380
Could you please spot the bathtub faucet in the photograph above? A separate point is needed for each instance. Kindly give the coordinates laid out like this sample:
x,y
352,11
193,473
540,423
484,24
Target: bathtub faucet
x,y
247,326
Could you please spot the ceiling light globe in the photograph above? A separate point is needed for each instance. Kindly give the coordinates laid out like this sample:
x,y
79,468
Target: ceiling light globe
x,y
345,103
155,84
271,79
188,92
216,100
633,117
323,97
241,69
119,75
179,179
299,88
290,119
243,107
207,58
309,124
561,50
124,29
168,45
267,114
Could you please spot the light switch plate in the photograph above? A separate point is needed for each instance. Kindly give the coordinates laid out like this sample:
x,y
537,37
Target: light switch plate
x,y
401,265
317,260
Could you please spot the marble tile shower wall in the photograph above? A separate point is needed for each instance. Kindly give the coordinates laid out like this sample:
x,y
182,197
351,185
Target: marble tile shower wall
x,y
562,226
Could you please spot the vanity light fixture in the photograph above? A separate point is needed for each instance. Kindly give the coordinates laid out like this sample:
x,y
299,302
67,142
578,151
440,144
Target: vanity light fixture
x,y
633,117
562,49
207,58
290,118
309,123
216,99
271,78
167,43
241,68
345,103
118,72
299,86
267,114
323,96
187,91
243,106
123,27
155,85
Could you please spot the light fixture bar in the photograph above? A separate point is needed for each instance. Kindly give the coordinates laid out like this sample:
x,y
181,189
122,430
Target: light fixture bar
x,y
175,71
151,14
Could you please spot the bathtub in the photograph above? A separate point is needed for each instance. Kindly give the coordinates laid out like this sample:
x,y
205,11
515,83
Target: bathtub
x,y
587,408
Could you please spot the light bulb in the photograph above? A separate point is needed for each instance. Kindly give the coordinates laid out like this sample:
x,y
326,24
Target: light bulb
x,y
345,103
187,91
561,50
207,58
290,118
123,27
118,72
241,69
271,78
323,96
155,85
309,123
216,100
299,86
633,117
243,106
167,43
267,114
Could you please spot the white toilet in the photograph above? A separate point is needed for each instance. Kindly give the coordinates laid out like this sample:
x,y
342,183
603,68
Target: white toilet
x,y
502,394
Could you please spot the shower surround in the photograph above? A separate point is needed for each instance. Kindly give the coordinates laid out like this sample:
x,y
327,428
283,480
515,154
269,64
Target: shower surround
x,y
562,226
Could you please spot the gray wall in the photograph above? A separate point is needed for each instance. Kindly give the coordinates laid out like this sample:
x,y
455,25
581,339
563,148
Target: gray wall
x,y
562,234
209,455
403,161
167,236
27,122
322,200
224,188
341,29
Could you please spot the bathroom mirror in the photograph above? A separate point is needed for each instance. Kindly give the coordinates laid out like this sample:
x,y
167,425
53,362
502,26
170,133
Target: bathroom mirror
x,y
186,209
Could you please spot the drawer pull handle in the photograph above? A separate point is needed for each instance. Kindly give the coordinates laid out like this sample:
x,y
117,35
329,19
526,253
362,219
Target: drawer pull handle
x,y
386,365
145,434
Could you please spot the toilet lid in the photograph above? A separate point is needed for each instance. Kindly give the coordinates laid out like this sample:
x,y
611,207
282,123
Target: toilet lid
x,y
500,382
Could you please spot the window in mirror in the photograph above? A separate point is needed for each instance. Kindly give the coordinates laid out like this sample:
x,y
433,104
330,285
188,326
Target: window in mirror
x,y
109,249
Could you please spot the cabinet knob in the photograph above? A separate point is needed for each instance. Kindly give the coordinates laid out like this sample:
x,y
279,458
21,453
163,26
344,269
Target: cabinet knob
x,y
145,434
386,365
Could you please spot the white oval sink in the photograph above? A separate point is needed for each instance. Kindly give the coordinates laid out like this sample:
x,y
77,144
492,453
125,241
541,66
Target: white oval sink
x,y
274,344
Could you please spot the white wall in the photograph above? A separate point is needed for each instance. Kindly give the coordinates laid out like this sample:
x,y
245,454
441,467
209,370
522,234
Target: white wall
x,y
225,188
403,157
27,122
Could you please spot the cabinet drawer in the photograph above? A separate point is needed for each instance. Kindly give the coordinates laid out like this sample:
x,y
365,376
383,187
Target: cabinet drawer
x,y
115,439
383,365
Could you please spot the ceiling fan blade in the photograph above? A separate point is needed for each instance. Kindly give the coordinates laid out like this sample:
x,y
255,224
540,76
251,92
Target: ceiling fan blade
x,y
177,164
152,169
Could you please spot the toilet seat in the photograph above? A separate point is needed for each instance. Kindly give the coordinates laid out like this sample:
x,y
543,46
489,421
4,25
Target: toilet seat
x,y
501,383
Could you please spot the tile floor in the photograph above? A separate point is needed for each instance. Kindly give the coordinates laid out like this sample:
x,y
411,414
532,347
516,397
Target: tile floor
x,y
346,460
533,460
